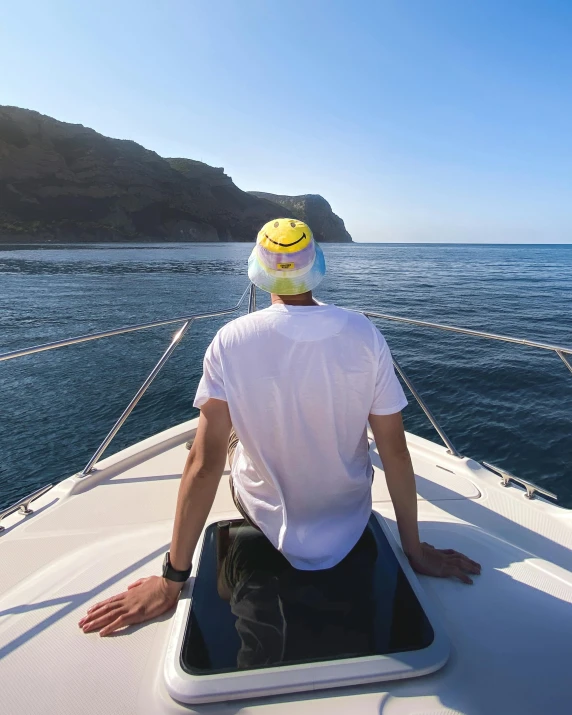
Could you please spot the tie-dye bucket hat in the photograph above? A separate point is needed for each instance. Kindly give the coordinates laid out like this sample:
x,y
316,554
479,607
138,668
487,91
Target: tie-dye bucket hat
x,y
286,260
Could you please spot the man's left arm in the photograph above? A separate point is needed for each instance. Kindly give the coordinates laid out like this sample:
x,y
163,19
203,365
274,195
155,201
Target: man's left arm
x,y
391,444
150,597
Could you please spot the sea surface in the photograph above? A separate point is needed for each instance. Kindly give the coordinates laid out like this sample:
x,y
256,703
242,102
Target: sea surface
x,y
507,404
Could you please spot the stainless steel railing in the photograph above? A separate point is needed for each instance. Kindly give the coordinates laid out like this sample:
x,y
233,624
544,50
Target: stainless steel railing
x,y
430,416
560,351
155,371
187,321
119,331
138,395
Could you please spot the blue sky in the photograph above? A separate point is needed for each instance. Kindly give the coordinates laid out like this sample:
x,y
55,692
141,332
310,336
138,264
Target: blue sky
x,y
419,120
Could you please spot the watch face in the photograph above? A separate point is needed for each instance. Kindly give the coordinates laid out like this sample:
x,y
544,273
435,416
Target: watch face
x,y
165,563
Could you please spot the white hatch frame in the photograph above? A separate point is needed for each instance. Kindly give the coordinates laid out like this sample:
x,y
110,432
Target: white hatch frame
x,y
195,689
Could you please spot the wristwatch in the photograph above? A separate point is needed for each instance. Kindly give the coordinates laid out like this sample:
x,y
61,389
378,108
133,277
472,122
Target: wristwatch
x,y
173,574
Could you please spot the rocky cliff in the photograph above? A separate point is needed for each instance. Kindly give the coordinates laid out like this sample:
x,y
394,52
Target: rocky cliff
x,y
314,210
65,182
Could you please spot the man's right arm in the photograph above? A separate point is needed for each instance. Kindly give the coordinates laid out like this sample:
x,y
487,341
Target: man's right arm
x,y
152,596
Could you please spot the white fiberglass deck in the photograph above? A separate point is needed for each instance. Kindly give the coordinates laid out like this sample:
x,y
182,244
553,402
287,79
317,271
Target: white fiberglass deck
x,y
510,633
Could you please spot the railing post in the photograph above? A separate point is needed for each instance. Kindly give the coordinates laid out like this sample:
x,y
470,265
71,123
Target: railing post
x,y
530,488
564,359
450,446
23,505
138,395
252,299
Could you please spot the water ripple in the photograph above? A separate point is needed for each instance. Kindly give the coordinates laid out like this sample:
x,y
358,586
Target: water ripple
x,y
509,405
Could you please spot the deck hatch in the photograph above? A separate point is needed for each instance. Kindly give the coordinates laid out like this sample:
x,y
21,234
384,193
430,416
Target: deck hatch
x,y
255,626
277,615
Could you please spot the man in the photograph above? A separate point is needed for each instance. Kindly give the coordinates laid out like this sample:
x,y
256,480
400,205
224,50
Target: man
x,y
298,383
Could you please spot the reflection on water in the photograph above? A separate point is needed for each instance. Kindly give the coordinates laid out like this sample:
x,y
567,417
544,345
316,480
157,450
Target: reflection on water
x,y
252,609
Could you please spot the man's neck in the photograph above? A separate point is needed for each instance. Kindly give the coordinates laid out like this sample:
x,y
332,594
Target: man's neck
x,y
301,299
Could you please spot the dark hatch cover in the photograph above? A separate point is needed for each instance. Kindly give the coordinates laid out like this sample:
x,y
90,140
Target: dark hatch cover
x,y
251,609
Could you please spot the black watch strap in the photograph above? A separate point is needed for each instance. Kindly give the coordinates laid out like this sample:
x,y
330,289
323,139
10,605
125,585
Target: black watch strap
x,y
173,574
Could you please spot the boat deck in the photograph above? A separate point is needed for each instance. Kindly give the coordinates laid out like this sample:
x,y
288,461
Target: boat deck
x,y
510,633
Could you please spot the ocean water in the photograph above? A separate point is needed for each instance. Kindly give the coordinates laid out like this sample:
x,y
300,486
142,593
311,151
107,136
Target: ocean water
x,y
506,404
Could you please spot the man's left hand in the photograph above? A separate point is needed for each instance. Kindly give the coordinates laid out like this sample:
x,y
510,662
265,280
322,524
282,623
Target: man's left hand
x,y
443,563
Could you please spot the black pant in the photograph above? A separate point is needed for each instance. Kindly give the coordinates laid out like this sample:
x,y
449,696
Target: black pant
x,y
285,615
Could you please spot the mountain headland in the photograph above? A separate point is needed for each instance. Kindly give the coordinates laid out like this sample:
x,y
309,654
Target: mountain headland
x,y
63,182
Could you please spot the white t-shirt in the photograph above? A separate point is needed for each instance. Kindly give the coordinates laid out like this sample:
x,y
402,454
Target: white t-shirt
x,y
300,382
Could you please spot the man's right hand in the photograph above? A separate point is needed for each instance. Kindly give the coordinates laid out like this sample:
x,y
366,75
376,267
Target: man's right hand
x,y
145,599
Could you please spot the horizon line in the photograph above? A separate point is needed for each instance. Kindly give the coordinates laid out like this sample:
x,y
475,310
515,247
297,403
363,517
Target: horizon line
x,y
329,243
